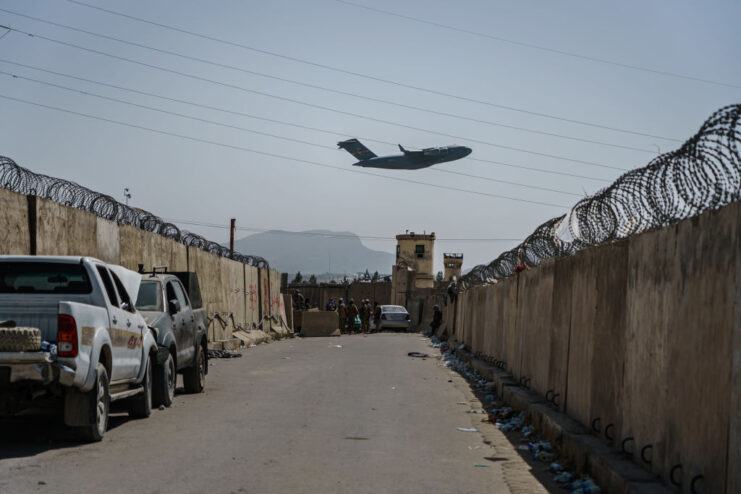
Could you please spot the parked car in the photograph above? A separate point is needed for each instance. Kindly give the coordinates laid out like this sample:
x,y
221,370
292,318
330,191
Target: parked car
x,y
175,315
394,317
70,330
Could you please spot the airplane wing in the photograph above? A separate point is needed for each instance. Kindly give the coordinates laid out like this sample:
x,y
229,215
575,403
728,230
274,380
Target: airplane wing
x,y
410,153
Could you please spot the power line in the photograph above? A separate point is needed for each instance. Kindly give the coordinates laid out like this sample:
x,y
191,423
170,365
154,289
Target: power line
x,y
274,155
535,47
332,90
272,120
243,129
524,167
312,105
328,235
371,77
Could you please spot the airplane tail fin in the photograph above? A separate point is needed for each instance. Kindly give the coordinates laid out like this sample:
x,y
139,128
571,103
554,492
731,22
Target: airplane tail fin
x,y
354,147
401,148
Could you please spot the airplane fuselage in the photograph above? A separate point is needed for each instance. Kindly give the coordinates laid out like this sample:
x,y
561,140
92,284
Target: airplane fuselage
x,y
416,159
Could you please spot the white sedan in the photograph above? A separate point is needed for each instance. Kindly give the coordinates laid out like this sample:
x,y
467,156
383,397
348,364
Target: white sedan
x,y
394,317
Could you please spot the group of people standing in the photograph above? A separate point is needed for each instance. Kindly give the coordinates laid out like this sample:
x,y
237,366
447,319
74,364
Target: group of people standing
x,y
354,318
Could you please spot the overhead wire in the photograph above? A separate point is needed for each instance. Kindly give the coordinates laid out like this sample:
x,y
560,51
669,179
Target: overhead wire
x,y
267,134
533,46
372,77
272,120
333,90
312,105
274,155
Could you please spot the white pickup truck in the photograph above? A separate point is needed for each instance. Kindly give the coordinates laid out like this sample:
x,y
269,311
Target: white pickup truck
x,y
69,331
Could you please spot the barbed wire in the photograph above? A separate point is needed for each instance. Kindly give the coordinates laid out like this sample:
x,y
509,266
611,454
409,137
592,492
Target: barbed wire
x,y
18,179
703,174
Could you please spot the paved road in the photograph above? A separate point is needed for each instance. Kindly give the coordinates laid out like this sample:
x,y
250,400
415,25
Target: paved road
x,y
297,416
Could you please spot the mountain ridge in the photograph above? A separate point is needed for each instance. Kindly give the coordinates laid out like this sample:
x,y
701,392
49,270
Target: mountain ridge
x,y
315,251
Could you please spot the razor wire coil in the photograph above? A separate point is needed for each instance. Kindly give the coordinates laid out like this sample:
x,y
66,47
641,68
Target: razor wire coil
x,y
703,174
67,193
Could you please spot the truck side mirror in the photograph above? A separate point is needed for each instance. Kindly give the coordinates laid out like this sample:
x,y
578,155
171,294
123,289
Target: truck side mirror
x,y
173,306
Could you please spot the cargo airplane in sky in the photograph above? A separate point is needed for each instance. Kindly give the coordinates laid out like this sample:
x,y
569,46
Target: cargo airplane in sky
x,y
408,160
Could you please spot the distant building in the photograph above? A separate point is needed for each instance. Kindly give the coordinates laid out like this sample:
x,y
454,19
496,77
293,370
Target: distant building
x,y
413,282
453,265
417,252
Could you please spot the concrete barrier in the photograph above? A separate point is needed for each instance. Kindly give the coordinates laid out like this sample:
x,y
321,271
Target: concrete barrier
x,y
639,340
319,323
14,223
33,225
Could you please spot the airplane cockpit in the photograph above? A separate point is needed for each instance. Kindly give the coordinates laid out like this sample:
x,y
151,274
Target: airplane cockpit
x,y
436,151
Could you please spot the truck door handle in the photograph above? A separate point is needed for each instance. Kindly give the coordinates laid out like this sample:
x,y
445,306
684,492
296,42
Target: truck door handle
x,y
128,323
114,320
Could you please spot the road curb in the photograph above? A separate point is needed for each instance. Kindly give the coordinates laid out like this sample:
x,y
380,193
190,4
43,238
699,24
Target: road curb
x,y
613,470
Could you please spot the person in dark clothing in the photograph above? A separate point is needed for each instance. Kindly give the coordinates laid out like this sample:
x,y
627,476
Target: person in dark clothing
x,y
365,315
437,318
352,313
376,317
342,315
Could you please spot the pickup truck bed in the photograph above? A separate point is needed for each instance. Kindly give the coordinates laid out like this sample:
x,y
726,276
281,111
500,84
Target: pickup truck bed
x,y
70,330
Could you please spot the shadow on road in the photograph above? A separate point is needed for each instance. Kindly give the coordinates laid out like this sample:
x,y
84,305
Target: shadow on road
x,y
36,431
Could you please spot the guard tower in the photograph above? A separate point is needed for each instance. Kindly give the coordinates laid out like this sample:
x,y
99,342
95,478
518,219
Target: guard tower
x,y
453,265
417,252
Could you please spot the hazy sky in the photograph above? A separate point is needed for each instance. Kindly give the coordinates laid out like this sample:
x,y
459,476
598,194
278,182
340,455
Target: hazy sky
x,y
202,182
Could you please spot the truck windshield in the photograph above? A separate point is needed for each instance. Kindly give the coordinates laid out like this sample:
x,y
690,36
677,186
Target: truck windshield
x,y
150,296
43,277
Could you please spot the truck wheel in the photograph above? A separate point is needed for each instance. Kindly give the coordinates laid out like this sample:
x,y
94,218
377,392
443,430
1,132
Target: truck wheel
x,y
141,405
100,404
19,339
163,383
194,377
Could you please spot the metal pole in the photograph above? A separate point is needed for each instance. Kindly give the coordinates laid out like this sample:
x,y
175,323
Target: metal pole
x,y
231,236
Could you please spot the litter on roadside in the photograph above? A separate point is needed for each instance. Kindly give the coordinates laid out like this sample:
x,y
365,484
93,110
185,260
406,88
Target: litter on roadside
x,y
512,423
418,355
527,431
507,420
564,478
584,486
223,354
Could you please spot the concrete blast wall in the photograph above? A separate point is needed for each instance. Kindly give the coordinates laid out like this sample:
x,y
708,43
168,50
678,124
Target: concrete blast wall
x,y
642,336
33,225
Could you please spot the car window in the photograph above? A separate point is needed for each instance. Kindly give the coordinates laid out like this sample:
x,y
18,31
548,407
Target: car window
x,y
108,284
393,308
170,293
43,277
150,296
126,302
180,294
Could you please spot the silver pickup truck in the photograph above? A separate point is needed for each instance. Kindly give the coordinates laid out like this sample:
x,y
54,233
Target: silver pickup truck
x,y
69,332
